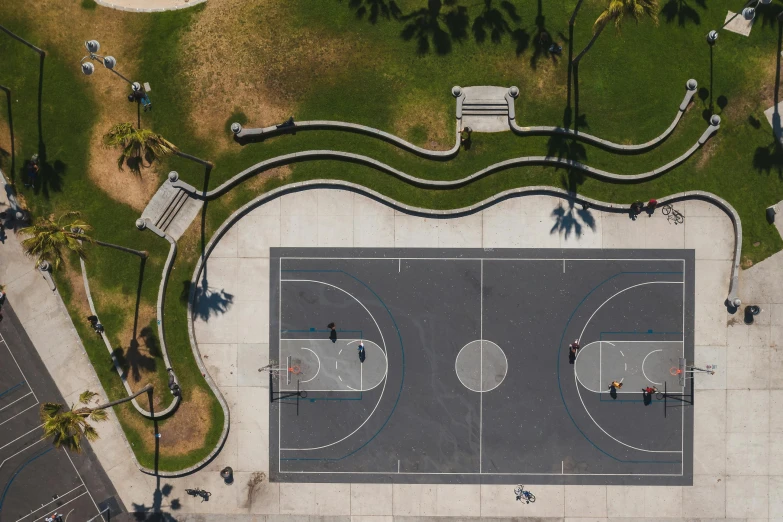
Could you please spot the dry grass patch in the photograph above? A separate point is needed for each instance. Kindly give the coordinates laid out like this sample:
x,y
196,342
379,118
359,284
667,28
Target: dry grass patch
x,y
183,432
257,182
246,55
124,186
708,151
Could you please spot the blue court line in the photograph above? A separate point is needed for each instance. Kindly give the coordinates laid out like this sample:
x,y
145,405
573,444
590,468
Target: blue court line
x,y
5,492
314,399
12,388
562,397
402,348
314,330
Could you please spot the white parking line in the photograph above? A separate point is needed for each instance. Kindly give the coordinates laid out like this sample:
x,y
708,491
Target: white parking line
x,y
74,498
52,502
20,436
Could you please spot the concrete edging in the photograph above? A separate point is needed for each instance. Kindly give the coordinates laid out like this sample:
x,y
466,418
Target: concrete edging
x,y
150,415
196,355
383,167
104,3
690,91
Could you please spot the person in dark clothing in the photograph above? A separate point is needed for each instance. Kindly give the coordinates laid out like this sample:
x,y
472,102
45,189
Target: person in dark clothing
x,y
333,332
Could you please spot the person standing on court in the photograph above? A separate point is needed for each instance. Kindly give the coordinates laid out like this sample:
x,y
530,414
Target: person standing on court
x,y
333,333
616,385
361,352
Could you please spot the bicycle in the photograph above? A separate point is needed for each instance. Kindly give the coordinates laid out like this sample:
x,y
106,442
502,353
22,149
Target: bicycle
x,y
198,492
523,495
672,214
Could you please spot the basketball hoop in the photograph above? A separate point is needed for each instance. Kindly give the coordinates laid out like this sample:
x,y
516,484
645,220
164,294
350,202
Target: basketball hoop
x,y
675,370
295,369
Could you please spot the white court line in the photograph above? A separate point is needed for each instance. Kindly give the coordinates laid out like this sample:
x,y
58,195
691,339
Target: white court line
x,y
385,379
20,370
20,451
74,498
319,363
18,414
479,259
52,502
576,381
682,434
83,484
645,373
481,364
279,357
17,400
20,436
361,367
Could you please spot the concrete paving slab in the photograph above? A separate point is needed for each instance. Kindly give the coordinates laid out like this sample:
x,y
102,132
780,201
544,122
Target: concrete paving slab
x,y
776,314
619,231
712,355
415,500
544,206
663,502
265,498
252,450
709,455
775,452
504,231
462,500
221,362
747,454
775,497
228,246
297,499
371,499
374,230
250,358
251,324
587,231
710,416
511,206
712,237
333,202
298,230
412,231
712,279
463,232
302,203
335,230
706,498
252,280
586,501
625,501
749,497
210,327
747,368
748,411
256,233
536,232
333,499
776,412
661,233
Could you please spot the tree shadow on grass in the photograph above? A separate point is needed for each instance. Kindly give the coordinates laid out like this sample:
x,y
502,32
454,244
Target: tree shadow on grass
x,y
432,27
682,12
133,361
769,159
492,21
50,176
373,9
543,39
563,147
768,15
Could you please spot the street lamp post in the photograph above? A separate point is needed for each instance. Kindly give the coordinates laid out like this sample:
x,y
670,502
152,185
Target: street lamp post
x,y
110,62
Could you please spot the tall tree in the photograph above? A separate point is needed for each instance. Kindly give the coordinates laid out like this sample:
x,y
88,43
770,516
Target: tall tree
x,y
137,145
616,11
49,236
67,427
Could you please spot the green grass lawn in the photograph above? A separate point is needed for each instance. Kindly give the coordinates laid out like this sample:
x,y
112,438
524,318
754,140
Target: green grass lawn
x,y
393,69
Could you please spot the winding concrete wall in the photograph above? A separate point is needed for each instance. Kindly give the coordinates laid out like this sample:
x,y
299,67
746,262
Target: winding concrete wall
x,y
420,182
690,91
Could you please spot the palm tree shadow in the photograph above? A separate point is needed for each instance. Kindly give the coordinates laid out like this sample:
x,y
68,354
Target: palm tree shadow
x,y
768,14
155,511
770,158
50,176
432,24
208,302
571,220
561,147
682,12
492,21
373,9
543,39
133,361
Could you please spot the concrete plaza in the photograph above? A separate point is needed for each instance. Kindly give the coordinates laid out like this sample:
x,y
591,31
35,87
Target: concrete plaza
x,y
738,456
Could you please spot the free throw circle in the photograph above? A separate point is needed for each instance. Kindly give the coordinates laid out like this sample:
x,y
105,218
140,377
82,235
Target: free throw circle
x,y
481,366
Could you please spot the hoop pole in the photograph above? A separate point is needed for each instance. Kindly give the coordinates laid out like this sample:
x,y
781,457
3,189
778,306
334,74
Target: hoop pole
x,y
664,398
271,390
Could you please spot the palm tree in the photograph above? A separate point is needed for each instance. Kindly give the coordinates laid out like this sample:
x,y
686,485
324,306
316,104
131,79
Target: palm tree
x,y
137,145
616,11
66,428
49,236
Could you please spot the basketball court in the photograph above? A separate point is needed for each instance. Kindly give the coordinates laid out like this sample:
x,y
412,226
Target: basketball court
x,y
467,375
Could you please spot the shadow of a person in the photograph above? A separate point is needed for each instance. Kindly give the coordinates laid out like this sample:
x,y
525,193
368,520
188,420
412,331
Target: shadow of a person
x,y
333,332
613,392
647,398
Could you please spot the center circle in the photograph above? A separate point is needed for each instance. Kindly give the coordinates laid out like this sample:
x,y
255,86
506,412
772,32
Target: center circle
x,y
481,366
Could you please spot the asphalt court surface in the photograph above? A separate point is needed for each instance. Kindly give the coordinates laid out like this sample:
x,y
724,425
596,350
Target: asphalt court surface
x,y
475,382
37,480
